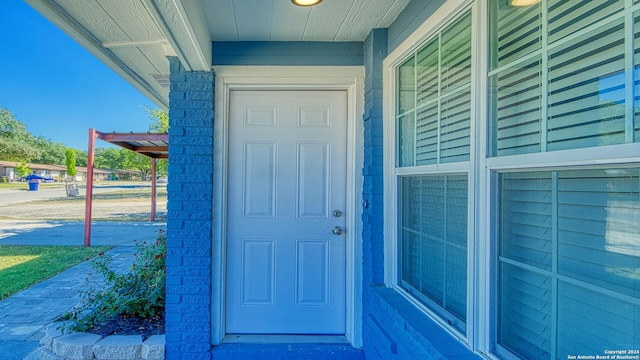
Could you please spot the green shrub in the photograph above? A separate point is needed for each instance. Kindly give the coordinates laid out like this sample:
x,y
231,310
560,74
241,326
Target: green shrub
x,y
139,292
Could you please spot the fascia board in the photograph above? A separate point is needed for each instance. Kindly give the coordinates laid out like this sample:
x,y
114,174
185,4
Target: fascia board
x,y
185,27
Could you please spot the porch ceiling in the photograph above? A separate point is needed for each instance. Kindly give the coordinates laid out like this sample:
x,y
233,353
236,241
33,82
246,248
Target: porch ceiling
x,y
134,37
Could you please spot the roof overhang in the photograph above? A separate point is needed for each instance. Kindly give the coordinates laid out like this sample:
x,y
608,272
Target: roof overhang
x,y
155,146
134,37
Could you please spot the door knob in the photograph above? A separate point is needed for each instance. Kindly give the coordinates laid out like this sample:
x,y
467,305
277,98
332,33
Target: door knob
x,y
337,230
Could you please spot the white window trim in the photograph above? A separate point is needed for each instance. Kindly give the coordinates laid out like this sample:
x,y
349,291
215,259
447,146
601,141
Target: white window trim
x,y
347,78
434,24
620,155
483,170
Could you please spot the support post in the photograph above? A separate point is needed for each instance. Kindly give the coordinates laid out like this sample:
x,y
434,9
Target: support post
x,y
89,192
154,168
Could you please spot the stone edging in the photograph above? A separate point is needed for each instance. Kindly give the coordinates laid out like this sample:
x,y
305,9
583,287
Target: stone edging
x,y
55,345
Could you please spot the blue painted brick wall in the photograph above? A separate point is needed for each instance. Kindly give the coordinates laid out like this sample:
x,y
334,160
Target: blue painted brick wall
x,y
393,328
375,51
189,218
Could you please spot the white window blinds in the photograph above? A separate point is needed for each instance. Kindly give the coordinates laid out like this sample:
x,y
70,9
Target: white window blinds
x,y
569,262
566,87
434,99
434,243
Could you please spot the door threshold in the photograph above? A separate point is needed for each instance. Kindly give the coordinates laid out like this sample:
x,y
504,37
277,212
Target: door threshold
x,y
285,339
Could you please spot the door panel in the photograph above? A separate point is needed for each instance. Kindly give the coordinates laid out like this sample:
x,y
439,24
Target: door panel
x,y
287,175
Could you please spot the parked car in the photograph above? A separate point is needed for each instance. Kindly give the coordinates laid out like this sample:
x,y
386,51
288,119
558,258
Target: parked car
x,y
162,180
38,177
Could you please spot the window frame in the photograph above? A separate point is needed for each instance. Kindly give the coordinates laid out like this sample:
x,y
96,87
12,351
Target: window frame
x,y
558,165
446,15
483,171
492,166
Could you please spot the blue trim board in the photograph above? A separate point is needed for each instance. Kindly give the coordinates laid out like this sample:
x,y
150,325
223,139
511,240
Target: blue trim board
x,y
288,53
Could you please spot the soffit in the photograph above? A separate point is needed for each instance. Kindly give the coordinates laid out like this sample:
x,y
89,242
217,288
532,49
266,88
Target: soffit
x,y
134,37
123,34
280,20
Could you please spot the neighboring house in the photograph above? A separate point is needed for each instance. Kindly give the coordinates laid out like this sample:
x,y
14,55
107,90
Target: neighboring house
x,y
98,174
417,179
58,172
7,168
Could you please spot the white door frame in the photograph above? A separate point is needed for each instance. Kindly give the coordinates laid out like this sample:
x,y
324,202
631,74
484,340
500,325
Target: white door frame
x,y
346,78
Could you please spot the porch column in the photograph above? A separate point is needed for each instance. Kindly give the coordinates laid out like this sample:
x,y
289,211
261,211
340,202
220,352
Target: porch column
x,y
89,188
190,214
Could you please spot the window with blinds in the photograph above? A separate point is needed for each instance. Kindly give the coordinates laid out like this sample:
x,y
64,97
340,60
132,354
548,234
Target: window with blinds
x,y
567,87
433,243
434,99
569,262
433,126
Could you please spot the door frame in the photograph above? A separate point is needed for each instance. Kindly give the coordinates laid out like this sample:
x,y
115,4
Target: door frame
x,y
345,78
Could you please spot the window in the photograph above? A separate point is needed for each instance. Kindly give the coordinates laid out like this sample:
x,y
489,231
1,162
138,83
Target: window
x,y
564,88
568,238
434,99
515,211
434,243
569,264
433,125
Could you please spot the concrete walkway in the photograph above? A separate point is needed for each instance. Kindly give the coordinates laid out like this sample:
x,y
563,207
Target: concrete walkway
x,y
25,315
55,232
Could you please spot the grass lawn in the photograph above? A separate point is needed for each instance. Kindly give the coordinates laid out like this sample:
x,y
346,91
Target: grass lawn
x,y
23,266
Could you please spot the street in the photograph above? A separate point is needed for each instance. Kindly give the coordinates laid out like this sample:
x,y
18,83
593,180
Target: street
x,y
16,196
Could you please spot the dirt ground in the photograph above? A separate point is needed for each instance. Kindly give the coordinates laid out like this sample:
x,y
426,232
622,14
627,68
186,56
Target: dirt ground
x,y
118,205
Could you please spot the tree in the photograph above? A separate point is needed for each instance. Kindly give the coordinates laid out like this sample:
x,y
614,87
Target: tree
x,y
50,152
159,124
159,120
81,157
135,161
23,169
16,142
109,158
70,161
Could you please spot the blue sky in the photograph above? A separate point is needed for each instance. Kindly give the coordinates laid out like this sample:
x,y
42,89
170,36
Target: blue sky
x,y
56,87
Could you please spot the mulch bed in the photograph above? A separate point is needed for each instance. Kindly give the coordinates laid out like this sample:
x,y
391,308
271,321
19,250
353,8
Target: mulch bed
x,y
123,325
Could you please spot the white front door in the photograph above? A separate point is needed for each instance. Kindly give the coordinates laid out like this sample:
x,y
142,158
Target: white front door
x,y
286,202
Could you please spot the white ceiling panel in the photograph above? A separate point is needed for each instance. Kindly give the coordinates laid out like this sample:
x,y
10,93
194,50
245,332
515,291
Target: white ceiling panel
x,y
133,18
222,14
324,24
253,19
363,16
95,19
280,20
289,22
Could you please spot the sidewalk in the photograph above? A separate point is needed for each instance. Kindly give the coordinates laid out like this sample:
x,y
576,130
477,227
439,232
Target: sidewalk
x,y
25,315
57,232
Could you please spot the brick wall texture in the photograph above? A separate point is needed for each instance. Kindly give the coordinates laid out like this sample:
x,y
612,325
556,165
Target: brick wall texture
x,y
189,217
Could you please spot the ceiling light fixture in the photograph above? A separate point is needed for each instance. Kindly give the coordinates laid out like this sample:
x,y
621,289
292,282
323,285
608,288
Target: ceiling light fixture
x,y
524,2
306,2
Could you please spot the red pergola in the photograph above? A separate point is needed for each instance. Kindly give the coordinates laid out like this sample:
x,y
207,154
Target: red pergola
x,y
155,146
